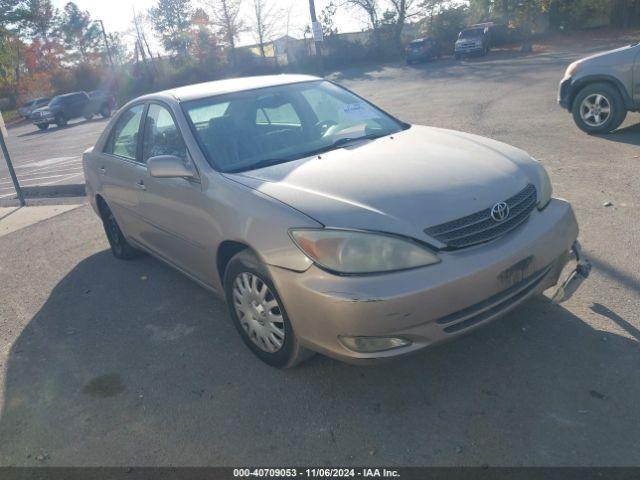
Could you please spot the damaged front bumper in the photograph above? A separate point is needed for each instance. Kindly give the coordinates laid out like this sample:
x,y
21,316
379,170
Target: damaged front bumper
x,y
363,319
578,275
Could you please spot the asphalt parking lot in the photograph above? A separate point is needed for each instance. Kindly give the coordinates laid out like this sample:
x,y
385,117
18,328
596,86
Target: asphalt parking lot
x,y
48,159
129,363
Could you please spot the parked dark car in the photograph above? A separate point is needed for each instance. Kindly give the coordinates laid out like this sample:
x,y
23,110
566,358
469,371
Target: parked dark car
x,y
422,49
473,41
25,110
67,107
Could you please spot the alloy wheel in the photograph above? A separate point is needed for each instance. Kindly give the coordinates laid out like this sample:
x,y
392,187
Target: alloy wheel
x,y
595,110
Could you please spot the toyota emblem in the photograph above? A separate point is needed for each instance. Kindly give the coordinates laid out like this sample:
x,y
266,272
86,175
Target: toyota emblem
x,y
500,212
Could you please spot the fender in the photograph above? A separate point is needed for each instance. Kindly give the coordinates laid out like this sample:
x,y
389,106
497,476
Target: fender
x,y
582,82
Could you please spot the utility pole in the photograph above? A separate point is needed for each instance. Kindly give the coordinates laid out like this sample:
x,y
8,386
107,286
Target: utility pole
x,y
106,42
316,29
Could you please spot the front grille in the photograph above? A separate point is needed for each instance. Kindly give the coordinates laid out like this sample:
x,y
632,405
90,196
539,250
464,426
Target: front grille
x,y
479,227
470,316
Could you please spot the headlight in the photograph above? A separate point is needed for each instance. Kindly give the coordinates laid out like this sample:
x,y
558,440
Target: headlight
x,y
353,252
572,69
545,190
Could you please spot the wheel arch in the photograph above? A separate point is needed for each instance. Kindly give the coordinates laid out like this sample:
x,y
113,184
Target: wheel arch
x,y
583,82
226,251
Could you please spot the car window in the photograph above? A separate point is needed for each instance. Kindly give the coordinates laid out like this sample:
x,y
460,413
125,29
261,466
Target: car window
x,y
161,135
284,114
123,141
254,128
206,113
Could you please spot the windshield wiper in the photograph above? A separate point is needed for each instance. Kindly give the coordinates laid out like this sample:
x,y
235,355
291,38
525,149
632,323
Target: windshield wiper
x,y
339,143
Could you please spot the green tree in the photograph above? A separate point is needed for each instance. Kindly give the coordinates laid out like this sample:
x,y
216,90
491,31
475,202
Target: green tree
x,y
40,20
117,47
447,23
80,34
172,22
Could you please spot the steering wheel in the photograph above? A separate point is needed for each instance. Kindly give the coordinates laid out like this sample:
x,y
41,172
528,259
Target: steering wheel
x,y
324,125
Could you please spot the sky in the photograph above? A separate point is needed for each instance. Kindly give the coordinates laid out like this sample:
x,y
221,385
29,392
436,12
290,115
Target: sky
x,y
117,15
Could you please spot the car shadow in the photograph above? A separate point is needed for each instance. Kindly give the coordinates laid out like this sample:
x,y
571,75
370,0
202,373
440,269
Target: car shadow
x,y
44,132
55,128
132,363
629,135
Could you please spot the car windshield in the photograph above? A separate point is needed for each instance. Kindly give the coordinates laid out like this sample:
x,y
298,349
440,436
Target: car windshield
x,y
56,101
257,128
474,33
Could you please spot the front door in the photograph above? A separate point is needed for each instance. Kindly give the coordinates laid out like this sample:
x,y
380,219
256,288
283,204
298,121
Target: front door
x,y
173,208
120,169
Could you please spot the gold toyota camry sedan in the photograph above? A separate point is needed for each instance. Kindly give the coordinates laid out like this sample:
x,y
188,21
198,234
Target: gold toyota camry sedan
x,y
325,223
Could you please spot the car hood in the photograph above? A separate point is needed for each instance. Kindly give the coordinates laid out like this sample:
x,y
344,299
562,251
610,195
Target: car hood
x,y
612,54
402,183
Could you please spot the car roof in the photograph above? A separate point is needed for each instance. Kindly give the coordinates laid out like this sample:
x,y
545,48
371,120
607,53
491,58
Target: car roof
x,y
230,85
72,94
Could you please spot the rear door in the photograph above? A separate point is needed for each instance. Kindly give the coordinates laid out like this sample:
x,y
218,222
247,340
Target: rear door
x,y
174,209
76,105
120,169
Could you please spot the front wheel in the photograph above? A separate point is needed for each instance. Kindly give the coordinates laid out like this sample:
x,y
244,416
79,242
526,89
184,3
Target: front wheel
x,y
43,126
259,314
88,116
598,108
61,120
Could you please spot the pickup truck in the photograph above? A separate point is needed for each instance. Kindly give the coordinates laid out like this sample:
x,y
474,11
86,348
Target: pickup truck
x,y
69,106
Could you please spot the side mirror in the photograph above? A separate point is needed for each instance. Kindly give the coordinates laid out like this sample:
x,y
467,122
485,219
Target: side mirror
x,y
169,166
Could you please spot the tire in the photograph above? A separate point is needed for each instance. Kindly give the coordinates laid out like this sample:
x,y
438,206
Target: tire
x,y
120,248
88,116
242,271
61,120
105,111
609,97
43,126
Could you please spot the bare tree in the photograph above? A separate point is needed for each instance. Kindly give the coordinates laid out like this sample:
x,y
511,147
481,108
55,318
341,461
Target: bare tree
x,y
225,15
264,22
370,8
404,9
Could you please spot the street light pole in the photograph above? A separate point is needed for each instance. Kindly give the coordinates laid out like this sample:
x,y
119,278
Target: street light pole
x,y
318,41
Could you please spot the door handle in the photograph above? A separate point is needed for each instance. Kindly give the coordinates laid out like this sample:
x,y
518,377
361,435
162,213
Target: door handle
x,y
102,170
140,185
